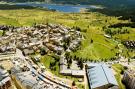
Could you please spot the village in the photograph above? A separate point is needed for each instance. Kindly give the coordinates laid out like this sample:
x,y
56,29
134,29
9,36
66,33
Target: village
x,y
22,47
20,42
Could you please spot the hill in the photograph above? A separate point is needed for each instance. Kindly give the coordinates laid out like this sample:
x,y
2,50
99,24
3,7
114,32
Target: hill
x,y
87,2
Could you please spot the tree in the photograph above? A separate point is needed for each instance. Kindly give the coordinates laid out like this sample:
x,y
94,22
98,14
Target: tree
x,y
78,28
54,68
81,65
122,72
67,54
128,60
42,51
68,66
1,67
57,58
75,57
125,67
91,41
9,71
70,61
65,46
50,66
73,84
3,32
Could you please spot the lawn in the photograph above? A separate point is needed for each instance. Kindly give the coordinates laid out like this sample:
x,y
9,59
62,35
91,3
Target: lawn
x,y
46,60
118,68
100,48
1,32
130,36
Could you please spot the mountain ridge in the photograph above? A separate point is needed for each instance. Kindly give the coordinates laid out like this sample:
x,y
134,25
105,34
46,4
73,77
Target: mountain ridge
x,y
105,3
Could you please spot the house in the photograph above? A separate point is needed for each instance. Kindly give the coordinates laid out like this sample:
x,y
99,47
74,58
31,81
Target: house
x,y
70,72
107,36
63,61
129,79
5,80
78,73
37,58
101,77
66,71
28,81
28,51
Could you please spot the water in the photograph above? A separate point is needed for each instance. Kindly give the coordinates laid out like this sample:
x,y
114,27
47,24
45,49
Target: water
x,y
61,8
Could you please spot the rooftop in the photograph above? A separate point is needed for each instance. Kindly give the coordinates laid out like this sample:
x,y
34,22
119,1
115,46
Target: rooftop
x,y
101,75
4,76
131,72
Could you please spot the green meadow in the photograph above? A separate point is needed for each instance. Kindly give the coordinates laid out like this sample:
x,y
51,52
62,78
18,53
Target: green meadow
x,y
119,69
92,27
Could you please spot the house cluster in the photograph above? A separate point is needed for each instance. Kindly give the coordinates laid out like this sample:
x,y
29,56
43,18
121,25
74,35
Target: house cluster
x,y
29,76
50,37
129,79
5,80
7,50
6,46
129,44
100,76
54,38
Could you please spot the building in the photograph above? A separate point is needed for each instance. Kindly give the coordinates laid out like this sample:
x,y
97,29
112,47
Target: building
x,y
78,73
101,77
69,72
5,80
129,79
28,51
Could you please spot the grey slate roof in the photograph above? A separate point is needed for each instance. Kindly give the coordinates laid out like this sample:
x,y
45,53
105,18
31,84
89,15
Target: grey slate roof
x,y
101,75
4,77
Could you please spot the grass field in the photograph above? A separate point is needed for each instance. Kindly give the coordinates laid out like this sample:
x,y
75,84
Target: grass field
x,y
118,68
1,32
92,23
46,60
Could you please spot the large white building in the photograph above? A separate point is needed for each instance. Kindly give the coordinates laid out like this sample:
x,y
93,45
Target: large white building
x,y
100,76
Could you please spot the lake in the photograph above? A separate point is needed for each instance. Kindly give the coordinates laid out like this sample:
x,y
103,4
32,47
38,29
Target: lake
x,y
61,8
